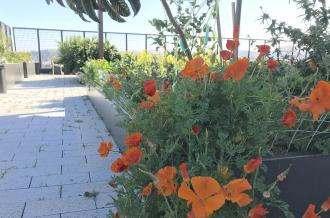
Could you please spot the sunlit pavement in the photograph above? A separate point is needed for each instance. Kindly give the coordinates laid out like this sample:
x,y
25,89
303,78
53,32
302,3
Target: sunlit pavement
x,y
49,134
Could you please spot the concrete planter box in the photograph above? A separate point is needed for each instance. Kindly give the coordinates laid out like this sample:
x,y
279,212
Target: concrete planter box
x,y
108,112
308,180
14,73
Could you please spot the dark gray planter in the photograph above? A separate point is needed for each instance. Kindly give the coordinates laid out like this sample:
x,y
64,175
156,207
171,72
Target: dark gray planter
x,y
109,114
307,182
3,80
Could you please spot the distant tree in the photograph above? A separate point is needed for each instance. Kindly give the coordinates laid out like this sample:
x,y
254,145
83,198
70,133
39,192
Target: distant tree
x,y
116,9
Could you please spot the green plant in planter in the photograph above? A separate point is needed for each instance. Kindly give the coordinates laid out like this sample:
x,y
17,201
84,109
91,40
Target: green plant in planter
x,y
75,51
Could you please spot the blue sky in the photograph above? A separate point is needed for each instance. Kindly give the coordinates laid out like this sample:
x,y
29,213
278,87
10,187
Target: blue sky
x,y
36,13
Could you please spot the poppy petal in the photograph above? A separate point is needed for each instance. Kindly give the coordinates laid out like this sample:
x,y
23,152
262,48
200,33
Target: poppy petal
x,y
205,186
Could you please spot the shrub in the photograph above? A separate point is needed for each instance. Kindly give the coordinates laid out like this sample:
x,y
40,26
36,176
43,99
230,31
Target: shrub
x,y
16,57
75,51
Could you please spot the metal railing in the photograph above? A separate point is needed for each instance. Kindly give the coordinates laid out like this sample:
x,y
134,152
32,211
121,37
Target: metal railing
x,y
43,43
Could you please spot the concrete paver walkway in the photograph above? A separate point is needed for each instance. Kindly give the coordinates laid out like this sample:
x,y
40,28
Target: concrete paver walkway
x,y
49,134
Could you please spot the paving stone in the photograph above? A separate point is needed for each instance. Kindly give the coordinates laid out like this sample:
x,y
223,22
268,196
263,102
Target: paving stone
x,y
29,194
76,190
44,181
99,213
11,210
64,205
48,130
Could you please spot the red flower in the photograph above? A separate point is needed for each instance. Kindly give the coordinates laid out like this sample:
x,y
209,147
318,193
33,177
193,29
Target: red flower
x,y
118,166
252,165
147,190
258,211
215,76
232,45
272,64
149,87
166,85
226,55
235,32
289,118
310,212
112,184
264,49
196,129
184,172
133,140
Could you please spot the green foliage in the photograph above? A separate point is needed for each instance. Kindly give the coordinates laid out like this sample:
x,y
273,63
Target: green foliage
x,y
75,51
193,17
8,56
116,9
314,40
17,57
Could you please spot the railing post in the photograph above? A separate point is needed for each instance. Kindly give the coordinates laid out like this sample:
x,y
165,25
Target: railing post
x,y
292,50
14,38
105,36
25,73
84,34
126,42
165,42
61,35
39,51
146,42
249,49
3,80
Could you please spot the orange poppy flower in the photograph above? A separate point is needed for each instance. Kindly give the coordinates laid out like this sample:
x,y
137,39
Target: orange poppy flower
x,y
237,70
155,98
195,69
258,211
132,156
118,166
133,140
165,184
184,172
304,104
226,55
117,84
232,45
149,87
326,205
289,118
145,105
318,101
272,64
104,149
321,94
206,196
252,165
147,190
223,171
310,212
234,192
196,129
215,76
